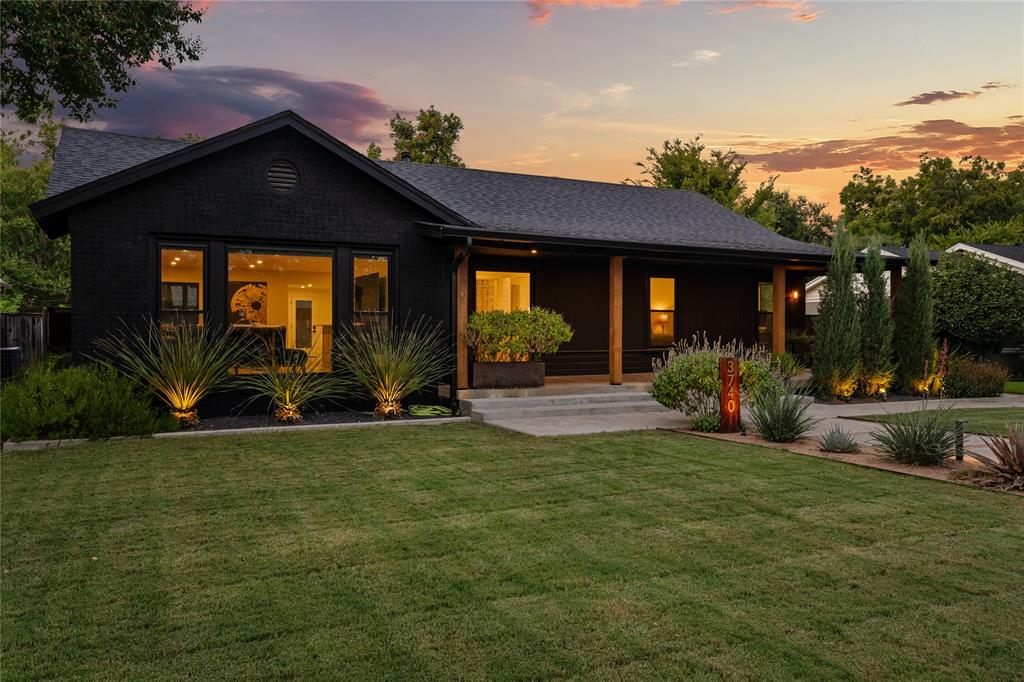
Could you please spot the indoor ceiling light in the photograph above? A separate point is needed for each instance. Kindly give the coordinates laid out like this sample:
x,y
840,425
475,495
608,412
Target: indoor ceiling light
x,y
251,265
259,262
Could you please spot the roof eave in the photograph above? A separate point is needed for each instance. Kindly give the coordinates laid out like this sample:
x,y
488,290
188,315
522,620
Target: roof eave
x,y
448,231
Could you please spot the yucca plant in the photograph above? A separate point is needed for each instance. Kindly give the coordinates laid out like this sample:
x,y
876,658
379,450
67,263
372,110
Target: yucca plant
x,y
837,440
181,364
925,437
1006,463
285,378
393,362
780,414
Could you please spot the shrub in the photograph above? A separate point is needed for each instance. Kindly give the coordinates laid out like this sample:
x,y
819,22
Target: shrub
x,y
517,336
392,362
787,366
970,378
837,440
687,379
913,339
780,415
876,368
710,422
925,437
1006,463
76,402
837,330
290,384
972,303
181,365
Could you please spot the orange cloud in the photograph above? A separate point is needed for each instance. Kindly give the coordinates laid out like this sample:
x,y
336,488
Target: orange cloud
x,y
901,150
541,10
799,10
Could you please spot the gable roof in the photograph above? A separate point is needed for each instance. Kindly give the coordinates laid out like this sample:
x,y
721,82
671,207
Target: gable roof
x,y
90,163
549,207
1004,254
125,159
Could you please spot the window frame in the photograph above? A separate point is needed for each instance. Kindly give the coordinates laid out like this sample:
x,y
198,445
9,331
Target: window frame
x,y
648,276
204,284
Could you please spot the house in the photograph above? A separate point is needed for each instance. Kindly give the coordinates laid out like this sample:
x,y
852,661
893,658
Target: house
x,y
895,257
1008,256
279,227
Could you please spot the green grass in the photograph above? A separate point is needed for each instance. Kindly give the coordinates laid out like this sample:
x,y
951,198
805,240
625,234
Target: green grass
x,y
990,421
465,552
1014,387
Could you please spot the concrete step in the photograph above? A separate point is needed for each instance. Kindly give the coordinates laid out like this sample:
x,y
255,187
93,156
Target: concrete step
x,y
503,412
470,406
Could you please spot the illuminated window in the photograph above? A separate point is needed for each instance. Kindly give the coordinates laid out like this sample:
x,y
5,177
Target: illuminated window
x,y
506,291
181,285
370,300
285,298
662,311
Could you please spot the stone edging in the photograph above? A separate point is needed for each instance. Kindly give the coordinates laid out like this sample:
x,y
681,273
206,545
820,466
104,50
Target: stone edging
x,y
37,445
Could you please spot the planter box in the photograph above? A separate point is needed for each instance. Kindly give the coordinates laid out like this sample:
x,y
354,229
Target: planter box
x,y
508,374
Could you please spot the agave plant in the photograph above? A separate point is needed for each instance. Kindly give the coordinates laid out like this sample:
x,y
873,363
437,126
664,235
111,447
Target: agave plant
x,y
392,362
837,440
286,379
924,437
180,365
780,414
1006,463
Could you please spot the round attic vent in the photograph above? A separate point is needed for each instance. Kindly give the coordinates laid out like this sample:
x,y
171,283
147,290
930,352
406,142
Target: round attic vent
x,y
282,176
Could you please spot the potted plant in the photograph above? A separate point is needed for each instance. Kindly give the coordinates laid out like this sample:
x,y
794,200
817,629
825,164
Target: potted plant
x,y
508,346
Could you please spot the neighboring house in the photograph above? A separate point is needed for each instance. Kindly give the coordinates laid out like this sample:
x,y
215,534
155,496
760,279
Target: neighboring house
x,y
1008,256
281,228
895,257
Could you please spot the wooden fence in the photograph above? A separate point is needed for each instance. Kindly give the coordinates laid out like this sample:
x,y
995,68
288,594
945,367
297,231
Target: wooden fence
x,y
37,333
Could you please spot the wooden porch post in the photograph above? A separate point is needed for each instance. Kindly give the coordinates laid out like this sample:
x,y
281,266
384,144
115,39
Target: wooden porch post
x,y
779,309
461,319
615,320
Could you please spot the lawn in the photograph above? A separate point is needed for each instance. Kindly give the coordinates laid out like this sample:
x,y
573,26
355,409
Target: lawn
x,y
466,552
1014,387
991,421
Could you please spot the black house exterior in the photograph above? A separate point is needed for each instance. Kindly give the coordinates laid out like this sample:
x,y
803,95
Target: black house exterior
x,y
278,226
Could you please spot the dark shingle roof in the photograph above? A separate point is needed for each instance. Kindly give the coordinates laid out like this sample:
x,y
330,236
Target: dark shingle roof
x,y
85,155
904,252
581,209
1005,250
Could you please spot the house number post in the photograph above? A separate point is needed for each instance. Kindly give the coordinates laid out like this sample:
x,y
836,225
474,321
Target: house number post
x,y
729,371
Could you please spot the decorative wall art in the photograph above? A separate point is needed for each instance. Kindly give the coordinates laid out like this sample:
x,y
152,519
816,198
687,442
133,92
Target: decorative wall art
x,y
248,302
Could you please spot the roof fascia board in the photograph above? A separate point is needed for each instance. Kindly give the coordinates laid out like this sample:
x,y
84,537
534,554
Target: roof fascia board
x,y
1009,262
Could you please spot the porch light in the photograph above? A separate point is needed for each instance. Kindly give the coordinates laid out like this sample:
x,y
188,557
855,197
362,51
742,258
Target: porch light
x,y
533,251
795,295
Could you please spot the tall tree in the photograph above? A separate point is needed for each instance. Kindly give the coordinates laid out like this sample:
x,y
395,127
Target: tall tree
x,y
793,217
683,165
837,331
876,368
914,338
80,53
36,268
429,138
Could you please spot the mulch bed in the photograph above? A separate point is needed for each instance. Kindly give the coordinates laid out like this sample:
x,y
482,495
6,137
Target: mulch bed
x,y
860,400
259,420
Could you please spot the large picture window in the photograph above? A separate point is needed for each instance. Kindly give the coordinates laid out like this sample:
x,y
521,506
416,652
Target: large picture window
x,y
371,300
662,311
506,291
181,285
284,297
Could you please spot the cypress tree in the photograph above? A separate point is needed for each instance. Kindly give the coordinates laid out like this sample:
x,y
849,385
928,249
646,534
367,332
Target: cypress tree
x,y
914,339
837,332
876,367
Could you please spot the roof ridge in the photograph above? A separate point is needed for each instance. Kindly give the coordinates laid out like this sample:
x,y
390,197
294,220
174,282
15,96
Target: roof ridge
x,y
535,175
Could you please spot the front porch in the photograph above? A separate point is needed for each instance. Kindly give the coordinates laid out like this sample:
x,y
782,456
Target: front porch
x,y
625,310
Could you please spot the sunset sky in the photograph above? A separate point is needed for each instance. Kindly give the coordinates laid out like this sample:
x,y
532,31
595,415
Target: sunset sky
x,y
805,90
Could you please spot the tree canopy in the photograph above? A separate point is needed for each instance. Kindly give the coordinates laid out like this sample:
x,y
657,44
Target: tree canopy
x,y
979,305
974,200
36,267
719,176
429,138
78,54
